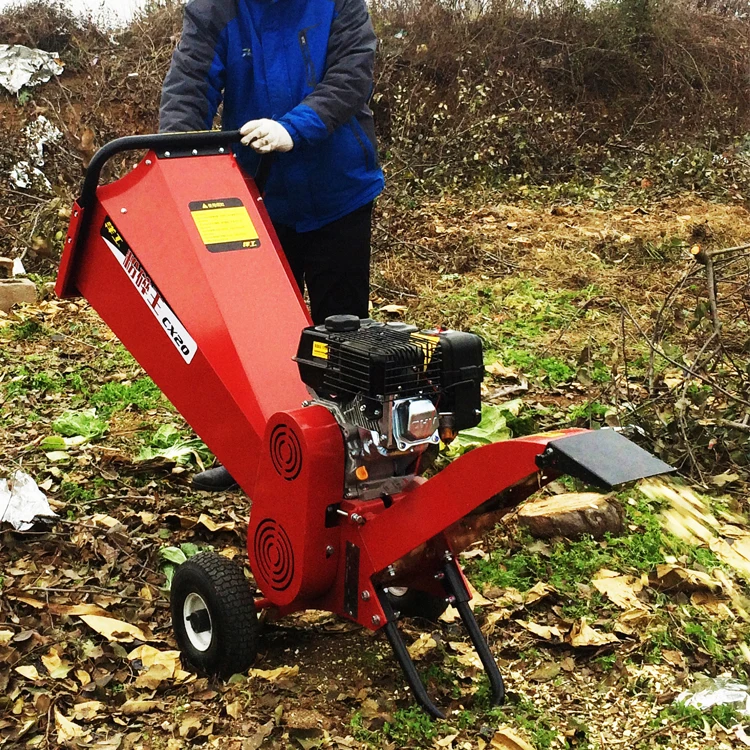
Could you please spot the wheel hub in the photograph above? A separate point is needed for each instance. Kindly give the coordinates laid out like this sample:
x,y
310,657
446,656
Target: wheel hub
x,y
198,625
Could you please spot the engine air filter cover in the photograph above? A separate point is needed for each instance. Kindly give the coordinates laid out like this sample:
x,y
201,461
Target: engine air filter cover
x,y
391,362
376,361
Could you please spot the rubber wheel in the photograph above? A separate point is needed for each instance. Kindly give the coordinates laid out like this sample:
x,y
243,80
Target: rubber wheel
x,y
214,616
414,603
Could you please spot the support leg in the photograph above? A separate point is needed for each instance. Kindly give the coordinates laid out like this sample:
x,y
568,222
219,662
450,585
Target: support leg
x,y
456,588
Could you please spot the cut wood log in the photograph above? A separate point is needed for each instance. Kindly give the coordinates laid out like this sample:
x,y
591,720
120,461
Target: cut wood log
x,y
572,515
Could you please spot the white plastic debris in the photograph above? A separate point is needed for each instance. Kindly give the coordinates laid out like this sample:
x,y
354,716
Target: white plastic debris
x,y
18,267
21,502
23,175
38,134
25,67
724,690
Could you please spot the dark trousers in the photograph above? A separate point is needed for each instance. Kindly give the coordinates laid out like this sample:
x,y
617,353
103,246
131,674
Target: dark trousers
x,y
333,263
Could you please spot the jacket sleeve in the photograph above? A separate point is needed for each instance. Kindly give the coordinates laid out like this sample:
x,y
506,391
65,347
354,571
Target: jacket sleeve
x,y
193,87
346,85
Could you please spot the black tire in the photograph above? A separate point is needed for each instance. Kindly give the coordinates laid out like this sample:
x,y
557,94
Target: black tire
x,y
211,590
414,603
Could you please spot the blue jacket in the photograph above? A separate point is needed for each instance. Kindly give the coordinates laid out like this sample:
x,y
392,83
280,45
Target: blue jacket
x,y
307,64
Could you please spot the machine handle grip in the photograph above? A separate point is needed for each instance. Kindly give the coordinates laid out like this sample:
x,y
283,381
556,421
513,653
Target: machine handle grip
x,y
157,141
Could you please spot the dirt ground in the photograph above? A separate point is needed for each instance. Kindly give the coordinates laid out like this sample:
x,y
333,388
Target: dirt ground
x,y
320,682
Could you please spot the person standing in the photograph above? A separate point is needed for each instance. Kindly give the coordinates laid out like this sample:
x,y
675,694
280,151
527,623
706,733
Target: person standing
x,y
295,77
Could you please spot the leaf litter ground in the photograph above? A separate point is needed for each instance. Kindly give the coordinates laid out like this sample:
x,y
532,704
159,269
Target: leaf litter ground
x,y
595,638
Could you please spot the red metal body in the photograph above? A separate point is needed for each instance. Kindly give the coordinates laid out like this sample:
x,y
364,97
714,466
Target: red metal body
x,y
241,307
216,324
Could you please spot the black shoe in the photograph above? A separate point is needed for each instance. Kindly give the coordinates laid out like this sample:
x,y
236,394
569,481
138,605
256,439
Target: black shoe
x,y
217,479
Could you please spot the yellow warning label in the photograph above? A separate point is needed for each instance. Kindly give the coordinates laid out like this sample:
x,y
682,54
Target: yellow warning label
x,y
320,350
224,225
427,344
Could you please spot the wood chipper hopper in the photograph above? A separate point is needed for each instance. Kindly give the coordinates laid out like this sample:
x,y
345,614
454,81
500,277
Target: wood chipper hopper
x,y
327,429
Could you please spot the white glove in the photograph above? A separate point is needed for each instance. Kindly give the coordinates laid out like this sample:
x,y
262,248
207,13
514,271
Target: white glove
x,y
265,136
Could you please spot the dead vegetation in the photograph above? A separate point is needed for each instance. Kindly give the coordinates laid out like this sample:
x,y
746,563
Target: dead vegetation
x,y
565,183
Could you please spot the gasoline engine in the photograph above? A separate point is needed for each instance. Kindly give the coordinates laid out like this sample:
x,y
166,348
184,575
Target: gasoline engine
x,y
395,391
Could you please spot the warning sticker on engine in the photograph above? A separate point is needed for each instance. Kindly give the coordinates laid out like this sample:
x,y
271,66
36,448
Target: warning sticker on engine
x,y
140,279
320,350
224,225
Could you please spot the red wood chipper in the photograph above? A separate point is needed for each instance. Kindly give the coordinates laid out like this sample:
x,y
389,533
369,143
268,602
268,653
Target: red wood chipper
x,y
328,429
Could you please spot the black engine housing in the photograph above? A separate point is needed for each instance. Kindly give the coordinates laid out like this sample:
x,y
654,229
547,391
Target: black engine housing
x,y
347,358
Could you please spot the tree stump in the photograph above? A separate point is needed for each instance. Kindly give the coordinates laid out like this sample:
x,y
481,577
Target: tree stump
x,y
572,515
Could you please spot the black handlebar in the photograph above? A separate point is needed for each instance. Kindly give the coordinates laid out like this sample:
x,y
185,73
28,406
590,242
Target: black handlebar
x,y
161,142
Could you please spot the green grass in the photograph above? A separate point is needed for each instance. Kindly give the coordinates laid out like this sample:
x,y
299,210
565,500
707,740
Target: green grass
x,y
524,714
514,316
140,395
74,493
569,565
410,727
696,718
589,412
27,329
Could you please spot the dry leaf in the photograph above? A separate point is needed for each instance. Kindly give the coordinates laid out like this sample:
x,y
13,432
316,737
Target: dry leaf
x,y
234,709
500,371
477,600
83,677
568,664
153,677
113,743
537,593
114,630
254,742
88,710
467,655
370,709
630,621
708,601
493,618
506,739
422,646
394,309
546,672
68,732
28,672
450,615
583,635
741,735
35,603
5,637
272,675
77,610
675,658
57,668
471,554
211,525
134,707
676,578
548,632
620,590
190,725
150,657
105,521
446,741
